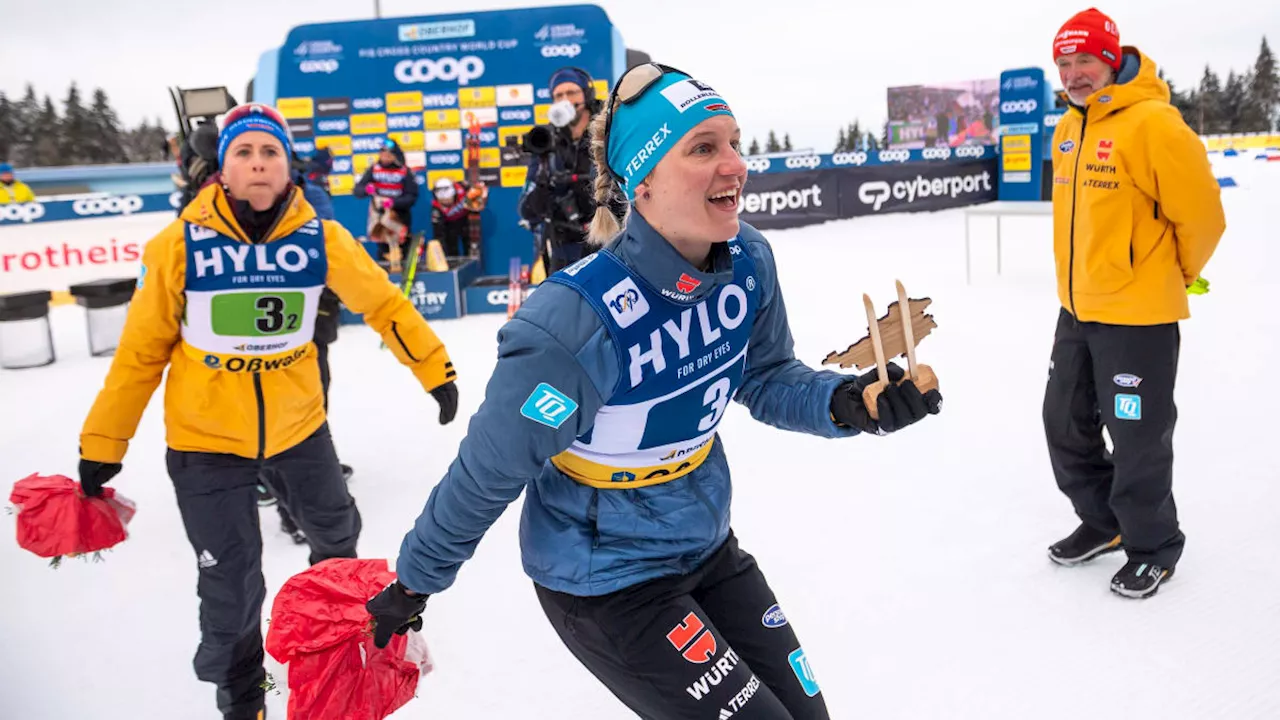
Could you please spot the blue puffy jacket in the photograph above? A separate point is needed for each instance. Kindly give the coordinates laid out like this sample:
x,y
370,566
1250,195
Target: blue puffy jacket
x,y
580,539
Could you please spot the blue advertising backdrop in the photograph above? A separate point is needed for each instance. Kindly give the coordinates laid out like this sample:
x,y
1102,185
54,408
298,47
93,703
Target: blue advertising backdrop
x,y
422,81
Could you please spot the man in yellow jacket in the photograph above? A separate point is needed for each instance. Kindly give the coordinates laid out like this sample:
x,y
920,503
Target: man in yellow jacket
x,y
1136,216
13,190
227,301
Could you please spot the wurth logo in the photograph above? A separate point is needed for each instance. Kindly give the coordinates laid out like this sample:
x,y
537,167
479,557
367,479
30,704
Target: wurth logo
x,y
693,640
687,284
1104,149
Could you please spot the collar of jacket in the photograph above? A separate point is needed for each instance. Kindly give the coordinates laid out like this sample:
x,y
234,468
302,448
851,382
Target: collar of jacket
x,y
211,208
659,264
1136,81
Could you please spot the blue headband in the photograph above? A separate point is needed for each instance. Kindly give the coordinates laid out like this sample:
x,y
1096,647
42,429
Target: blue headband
x,y
645,129
249,123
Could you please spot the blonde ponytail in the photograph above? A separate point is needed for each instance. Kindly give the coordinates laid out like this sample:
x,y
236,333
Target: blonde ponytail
x,y
604,225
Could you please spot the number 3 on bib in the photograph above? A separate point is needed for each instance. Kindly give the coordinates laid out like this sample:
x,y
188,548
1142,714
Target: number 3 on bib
x,y
717,397
251,314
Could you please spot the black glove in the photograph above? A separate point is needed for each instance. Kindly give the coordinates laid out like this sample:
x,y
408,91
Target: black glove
x,y
93,475
394,611
897,405
447,396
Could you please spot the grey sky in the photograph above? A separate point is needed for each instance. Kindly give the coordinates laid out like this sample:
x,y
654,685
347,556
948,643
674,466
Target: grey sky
x,y
802,66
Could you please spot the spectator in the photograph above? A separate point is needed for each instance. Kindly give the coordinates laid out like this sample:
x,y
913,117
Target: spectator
x,y
13,190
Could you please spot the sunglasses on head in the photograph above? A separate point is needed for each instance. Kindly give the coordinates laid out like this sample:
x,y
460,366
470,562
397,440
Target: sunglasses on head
x,y
628,89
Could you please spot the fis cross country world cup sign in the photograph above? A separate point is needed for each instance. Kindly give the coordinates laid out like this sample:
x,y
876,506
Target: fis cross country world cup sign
x,y
425,82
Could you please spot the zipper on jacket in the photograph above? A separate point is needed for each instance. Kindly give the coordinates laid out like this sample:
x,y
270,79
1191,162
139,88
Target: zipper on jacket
x,y
1075,184
592,515
262,416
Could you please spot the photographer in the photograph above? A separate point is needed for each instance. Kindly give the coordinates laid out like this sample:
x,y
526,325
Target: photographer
x,y
558,199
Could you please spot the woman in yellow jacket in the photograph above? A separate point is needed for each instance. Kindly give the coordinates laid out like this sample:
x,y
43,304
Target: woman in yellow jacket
x,y
227,301
1136,215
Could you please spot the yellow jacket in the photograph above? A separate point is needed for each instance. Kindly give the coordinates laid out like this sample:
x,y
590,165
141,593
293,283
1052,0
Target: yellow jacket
x,y
18,192
1137,211
207,406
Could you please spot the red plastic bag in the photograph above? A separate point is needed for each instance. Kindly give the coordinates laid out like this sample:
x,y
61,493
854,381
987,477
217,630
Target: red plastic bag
x,y
56,520
320,628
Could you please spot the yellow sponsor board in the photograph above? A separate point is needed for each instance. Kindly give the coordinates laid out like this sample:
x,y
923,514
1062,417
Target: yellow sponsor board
x,y
409,140
602,90
517,130
1217,143
404,102
490,157
298,107
360,163
514,176
368,124
1016,143
442,119
540,114
341,184
477,97
1014,162
336,144
455,175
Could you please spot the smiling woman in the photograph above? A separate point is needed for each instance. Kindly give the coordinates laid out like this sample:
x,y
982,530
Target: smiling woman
x,y
622,366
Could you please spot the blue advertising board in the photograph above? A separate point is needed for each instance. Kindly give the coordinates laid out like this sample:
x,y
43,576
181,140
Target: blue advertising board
x,y
88,207
1024,99
424,81
760,165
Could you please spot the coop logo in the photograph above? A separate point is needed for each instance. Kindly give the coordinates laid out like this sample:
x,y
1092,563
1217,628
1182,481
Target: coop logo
x,y
444,159
439,100
849,158
759,164
564,51
318,66
404,122
305,147
1051,121
803,161
936,153
693,640
970,151
517,115
776,201
625,303
1018,107
367,103
340,125
899,155
341,165
24,212
426,70
121,205
877,192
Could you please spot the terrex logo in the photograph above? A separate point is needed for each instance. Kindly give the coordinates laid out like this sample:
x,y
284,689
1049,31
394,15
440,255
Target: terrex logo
x,y
692,640
803,161
426,70
565,51
24,212
1018,107
776,201
122,205
877,192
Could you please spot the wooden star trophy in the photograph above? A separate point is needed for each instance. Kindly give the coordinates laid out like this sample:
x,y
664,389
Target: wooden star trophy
x,y
903,326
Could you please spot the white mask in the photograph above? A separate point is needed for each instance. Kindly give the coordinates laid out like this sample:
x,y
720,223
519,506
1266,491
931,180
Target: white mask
x,y
562,113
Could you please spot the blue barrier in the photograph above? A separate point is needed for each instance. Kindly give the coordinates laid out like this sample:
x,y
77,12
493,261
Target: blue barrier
x,y
87,207
1227,182
758,165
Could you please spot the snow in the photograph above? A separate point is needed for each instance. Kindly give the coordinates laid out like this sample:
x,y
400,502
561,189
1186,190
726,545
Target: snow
x,y
912,567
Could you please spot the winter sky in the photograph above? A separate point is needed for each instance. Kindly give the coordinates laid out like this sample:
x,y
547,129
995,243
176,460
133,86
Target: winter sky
x,y
803,66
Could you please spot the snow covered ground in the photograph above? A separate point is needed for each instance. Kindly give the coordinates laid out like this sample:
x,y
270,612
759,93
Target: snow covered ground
x,y
913,567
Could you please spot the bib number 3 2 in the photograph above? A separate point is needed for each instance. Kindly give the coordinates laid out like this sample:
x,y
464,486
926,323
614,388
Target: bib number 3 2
x,y
258,314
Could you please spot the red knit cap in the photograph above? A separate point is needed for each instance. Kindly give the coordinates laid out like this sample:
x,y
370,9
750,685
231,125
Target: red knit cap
x,y
1089,32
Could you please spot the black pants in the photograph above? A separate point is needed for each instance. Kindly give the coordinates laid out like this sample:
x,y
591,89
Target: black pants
x,y
712,644
455,236
322,357
1120,377
217,498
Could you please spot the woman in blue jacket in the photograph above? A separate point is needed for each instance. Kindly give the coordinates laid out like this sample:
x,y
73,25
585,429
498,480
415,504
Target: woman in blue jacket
x,y
603,407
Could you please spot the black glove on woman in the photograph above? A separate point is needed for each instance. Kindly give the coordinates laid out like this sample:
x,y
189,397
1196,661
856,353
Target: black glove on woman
x,y
898,405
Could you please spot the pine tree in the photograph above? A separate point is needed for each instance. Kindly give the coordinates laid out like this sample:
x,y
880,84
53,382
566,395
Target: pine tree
x,y
46,137
854,136
872,144
1180,100
841,142
786,142
77,137
1264,91
7,127
1209,105
771,144
25,116
884,136
755,147
1232,106
107,147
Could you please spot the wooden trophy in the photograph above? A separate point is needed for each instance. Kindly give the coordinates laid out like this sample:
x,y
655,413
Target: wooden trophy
x,y
903,326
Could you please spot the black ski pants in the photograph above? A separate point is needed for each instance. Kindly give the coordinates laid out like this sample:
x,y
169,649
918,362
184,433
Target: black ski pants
x,y
1120,377
217,498
712,644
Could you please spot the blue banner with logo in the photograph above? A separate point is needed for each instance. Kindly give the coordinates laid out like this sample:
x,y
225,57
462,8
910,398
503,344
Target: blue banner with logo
x,y
757,165
1024,99
87,207
424,81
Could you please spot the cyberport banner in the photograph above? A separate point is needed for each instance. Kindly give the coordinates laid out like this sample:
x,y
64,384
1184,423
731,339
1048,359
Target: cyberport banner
x,y
424,81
